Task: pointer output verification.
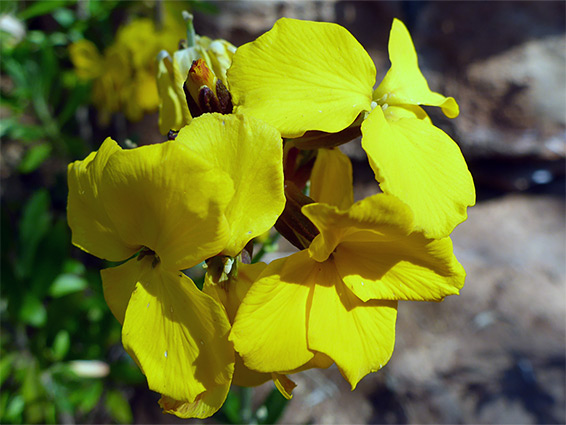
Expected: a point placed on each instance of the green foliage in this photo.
(52, 309)
(237, 408)
(118, 407)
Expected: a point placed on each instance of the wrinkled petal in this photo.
(358, 336)
(270, 331)
(301, 76)
(331, 179)
(92, 229)
(250, 153)
(422, 166)
(405, 268)
(205, 405)
(381, 214)
(404, 84)
(177, 334)
(166, 198)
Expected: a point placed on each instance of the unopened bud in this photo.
(205, 92)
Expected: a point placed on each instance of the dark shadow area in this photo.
(498, 176)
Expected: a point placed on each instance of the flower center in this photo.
(147, 252)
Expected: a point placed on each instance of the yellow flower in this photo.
(303, 76)
(331, 179)
(124, 75)
(338, 298)
(176, 204)
(173, 71)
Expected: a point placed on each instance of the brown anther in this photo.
(172, 135)
(224, 98)
(207, 100)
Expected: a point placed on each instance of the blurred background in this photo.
(73, 73)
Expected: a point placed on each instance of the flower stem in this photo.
(191, 36)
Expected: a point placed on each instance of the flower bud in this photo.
(180, 93)
(205, 92)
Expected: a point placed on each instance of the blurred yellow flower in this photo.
(124, 74)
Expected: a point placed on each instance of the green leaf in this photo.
(89, 395)
(32, 311)
(65, 17)
(24, 133)
(43, 7)
(79, 95)
(73, 266)
(207, 7)
(8, 6)
(34, 224)
(34, 157)
(118, 407)
(61, 344)
(6, 366)
(14, 410)
(230, 411)
(4, 397)
(275, 404)
(67, 283)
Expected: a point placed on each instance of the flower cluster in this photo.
(124, 74)
(253, 144)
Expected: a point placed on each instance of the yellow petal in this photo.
(250, 153)
(166, 198)
(177, 334)
(205, 405)
(404, 84)
(230, 294)
(422, 166)
(171, 99)
(221, 53)
(118, 284)
(399, 268)
(92, 229)
(301, 76)
(331, 179)
(270, 331)
(380, 213)
(358, 336)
